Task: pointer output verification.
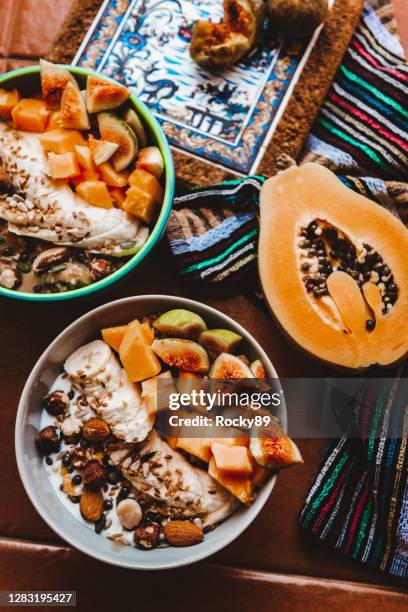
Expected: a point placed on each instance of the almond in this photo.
(95, 430)
(91, 505)
(182, 533)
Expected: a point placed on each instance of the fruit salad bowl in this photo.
(98, 177)
(59, 513)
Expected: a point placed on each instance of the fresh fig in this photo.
(103, 94)
(185, 355)
(228, 366)
(272, 448)
(132, 119)
(258, 369)
(217, 341)
(101, 150)
(151, 160)
(54, 80)
(74, 115)
(113, 129)
(181, 323)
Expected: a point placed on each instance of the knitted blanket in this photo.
(359, 501)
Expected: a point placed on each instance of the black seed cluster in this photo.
(329, 251)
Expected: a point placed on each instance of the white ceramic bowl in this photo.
(31, 467)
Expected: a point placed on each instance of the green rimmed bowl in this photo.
(27, 81)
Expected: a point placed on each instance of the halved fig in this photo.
(151, 160)
(116, 130)
(214, 45)
(257, 367)
(272, 448)
(101, 150)
(228, 366)
(54, 80)
(102, 94)
(132, 118)
(185, 355)
(74, 115)
(216, 341)
(246, 17)
(181, 323)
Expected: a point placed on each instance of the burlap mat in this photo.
(307, 97)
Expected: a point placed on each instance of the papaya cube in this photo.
(233, 459)
(95, 193)
(118, 195)
(147, 182)
(8, 100)
(240, 486)
(140, 204)
(91, 175)
(30, 115)
(54, 121)
(198, 447)
(60, 140)
(111, 177)
(150, 384)
(136, 355)
(148, 333)
(84, 157)
(63, 166)
(114, 336)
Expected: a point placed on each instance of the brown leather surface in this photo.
(200, 588)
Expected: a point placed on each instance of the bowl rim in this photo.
(191, 556)
(160, 224)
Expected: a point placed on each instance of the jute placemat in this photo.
(303, 106)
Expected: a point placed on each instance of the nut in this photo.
(56, 402)
(94, 475)
(146, 536)
(95, 430)
(10, 279)
(129, 513)
(91, 505)
(79, 458)
(49, 258)
(99, 268)
(182, 533)
(48, 440)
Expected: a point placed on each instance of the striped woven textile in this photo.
(358, 502)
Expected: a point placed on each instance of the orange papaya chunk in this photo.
(61, 141)
(147, 182)
(84, 156)
(233, 459)
(63, 166)
(111, 177)
(240, 486)
(136, 355)
(54, 121)
(148, 333)
(30, 115)
(8, 100)
(118, 195)
(198, 447)
(114, 336)
(95, 193)
(140, 204)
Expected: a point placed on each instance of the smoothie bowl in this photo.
(86, 182)
(96, 464)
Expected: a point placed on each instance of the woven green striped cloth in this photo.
(358, 503)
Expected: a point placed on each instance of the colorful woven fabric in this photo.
(359, 501)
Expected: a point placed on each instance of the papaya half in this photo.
(334, 269)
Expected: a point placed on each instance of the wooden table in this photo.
(271, 566)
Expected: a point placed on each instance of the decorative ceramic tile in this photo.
(226, 118)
